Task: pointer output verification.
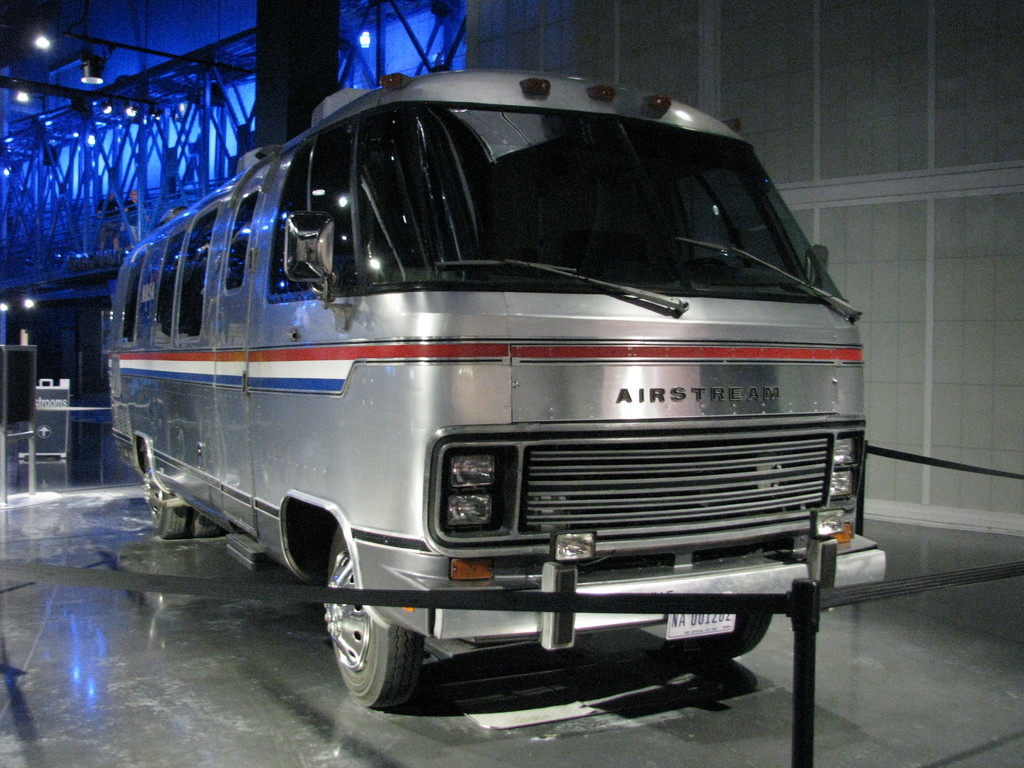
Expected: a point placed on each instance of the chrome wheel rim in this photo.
(348, 625)
(155, 497)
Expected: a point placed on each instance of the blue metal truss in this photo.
(172, 133)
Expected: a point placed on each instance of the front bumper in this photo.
(855, 567)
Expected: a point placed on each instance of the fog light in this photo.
(567, 547)
(829, 522)
(468, 509)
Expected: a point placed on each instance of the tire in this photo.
(750, 630)
(204, 528)
(379, 662)
(172, 517)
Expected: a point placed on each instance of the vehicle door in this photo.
(229, 455)
(189, 387)
(294, 381)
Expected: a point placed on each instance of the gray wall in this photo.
(895, 129)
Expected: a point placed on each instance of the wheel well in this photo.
(308, 532)
(141, 454)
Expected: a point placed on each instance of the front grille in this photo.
(679, 487)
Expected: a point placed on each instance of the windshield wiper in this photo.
(838, 305)
(656, 302)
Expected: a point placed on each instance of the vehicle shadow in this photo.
(522, 685)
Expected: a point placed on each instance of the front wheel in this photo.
(379, 662)
(750, 630)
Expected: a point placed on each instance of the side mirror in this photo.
(817, 263)
(309, 250)
(821, 253)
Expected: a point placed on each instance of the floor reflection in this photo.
(91, 461)
(106, 678)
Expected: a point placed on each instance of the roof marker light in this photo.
(394, 81)
(535, 86)
(656, 105)
(601, 92)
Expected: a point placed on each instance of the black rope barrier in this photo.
(465, 599)
(914, 458)
(860, 593)
(492, 599)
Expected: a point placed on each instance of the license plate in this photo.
(681, 625)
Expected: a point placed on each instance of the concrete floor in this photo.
(106, 678)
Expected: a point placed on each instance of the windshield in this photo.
(626, 201)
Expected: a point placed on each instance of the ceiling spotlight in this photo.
(22, 97)
(106, 107)
(92, 69)
(131, 110)
(42, 42)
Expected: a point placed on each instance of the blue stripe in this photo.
(298, 385)
(195, 378)
(284, 384)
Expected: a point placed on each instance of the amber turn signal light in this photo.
(471, 569)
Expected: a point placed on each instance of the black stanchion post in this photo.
(805, 612)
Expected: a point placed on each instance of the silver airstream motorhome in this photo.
(488, 330)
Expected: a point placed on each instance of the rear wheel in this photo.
(172, 517)
(204, 528)
(379, 662)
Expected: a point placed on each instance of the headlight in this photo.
(472, 470)
(841, 484)
(845, 458)
(473, 488)
(469, 509)
(844, 451)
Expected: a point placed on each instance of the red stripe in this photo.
(231, 356)
(383, 352)
(640, 351)
(470, 350)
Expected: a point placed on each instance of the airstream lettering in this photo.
(481, 330)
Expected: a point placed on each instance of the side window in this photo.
(413, 204)
(318, 180)
(151, 271)
(165, 291)
(329, 188)
(131, 297)
(238, 249)
(294, 197)
(390, 228)
(193, 275)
